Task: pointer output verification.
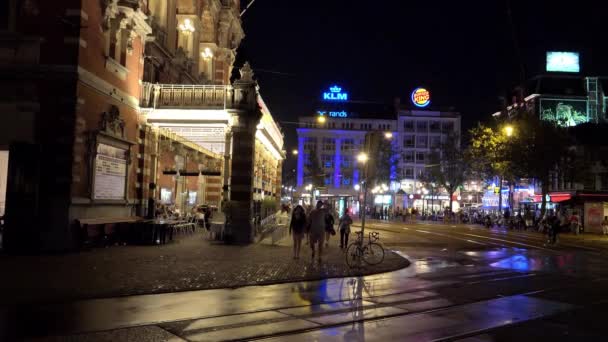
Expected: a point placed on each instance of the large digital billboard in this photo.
(564, 112)
(560, 61)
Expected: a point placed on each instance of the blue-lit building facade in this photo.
(340, 136)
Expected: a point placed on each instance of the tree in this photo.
(386, 162)
(447, 166)
(542, 148)
(489, 154)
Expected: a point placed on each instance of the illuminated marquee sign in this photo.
(421, 97)
(559, 61)
(335, 94)
(341, 114)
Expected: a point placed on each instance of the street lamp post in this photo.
(363, 158)
(508, 131)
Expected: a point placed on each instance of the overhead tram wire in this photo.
(247, 7)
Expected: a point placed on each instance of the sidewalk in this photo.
(190, 263)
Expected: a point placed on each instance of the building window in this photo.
(310, 144)
(408, 125)
(435, 126)
(328, 181)
(421, 126)
(420, 157)
(165, 196)
(420, 172)
(409, 172)
(328, 161)
(346, 181)
(307, 160)
(408, 156)
(346, 162)
(447, 127)
(435, 141)
(347, 145)
(421, 141)
(329, 144)
(408, 141)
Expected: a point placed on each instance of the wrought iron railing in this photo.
(184, 96)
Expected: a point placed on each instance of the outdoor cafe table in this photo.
(160, 228)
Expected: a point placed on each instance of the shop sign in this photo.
(332, 114)
(421, 97)
(335, 94)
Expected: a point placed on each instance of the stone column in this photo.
(337, 162)
(240, 228)
(227, 166)
(300, 169)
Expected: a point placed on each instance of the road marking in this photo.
(511, 242)
(449, 236)
(501, 279)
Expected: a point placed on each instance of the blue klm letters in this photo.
(335, 94)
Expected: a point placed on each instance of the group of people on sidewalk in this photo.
(317, 226)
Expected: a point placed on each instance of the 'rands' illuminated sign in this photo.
(421, 97)
(341, 114)
(335, 94)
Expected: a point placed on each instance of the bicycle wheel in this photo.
(353, 255)
(373, 254)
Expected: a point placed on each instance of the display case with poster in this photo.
(109, 157)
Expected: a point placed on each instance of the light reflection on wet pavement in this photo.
(444, 293)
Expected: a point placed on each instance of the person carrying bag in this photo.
(344, 226)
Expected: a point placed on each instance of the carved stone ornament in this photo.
(246, 73)
(112, 124)
(111, 9)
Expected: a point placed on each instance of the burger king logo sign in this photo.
(421, 97)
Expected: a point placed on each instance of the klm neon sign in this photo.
(335, 94)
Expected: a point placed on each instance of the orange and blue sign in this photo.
(421, 97)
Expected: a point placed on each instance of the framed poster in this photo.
(110, 173)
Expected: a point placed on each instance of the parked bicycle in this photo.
(371, 252)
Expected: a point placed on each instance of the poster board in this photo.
(110, 173)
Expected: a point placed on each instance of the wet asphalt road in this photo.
(465, 283)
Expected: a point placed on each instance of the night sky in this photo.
(462, 51)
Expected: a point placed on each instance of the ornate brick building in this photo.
(112, 102)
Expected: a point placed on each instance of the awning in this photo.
(554, 197)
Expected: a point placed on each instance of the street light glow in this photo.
(508, 130)
(362, 157)
(357, 187)
(321, 119)
(294, 152)
(388, 135)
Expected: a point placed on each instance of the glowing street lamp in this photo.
(321, 119)
(357, 187)
(508, 130)
(294, 152)
(362, 157)
(388, 135)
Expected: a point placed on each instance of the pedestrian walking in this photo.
(297, 228)
(605, 225)
(329, 223)
(316, 230)
(344, 226)
(575, 223)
